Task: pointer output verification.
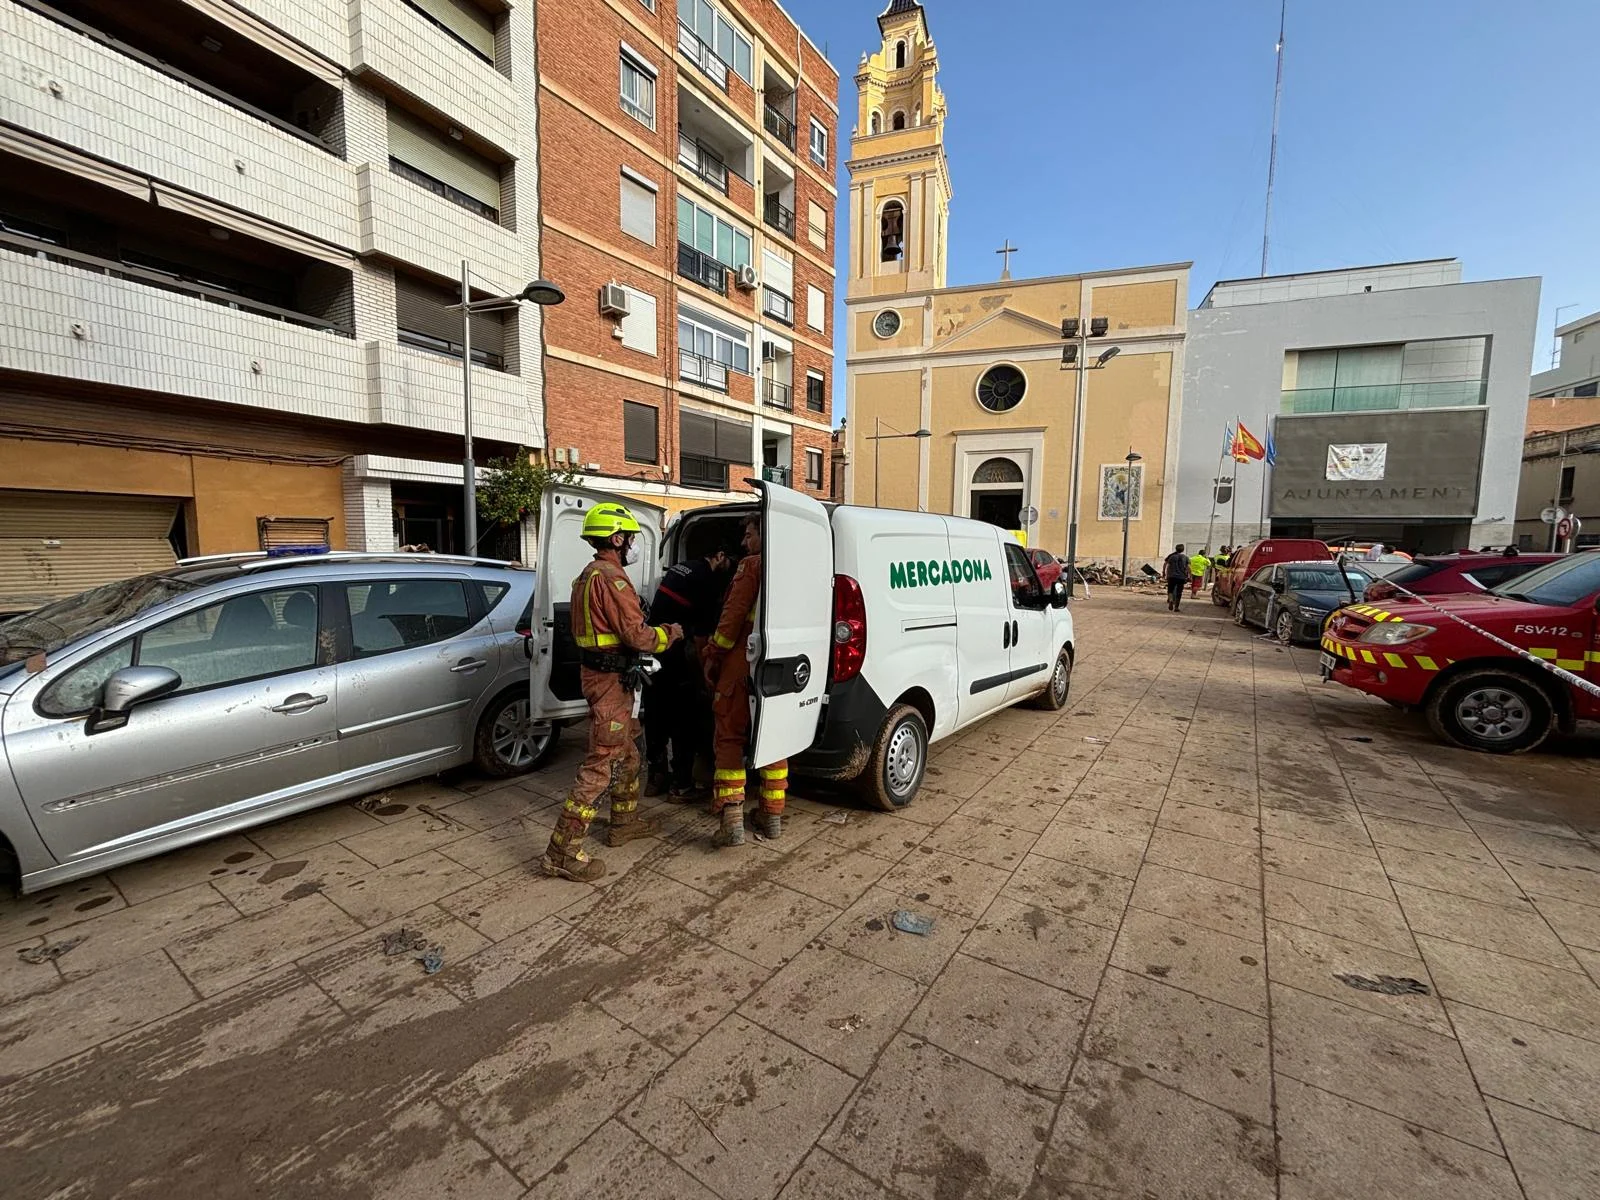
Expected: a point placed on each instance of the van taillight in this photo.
(849, 630)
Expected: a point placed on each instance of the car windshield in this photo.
(1323, 579)
(1561, 583)
(47, 629)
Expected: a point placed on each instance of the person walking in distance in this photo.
(728, 676)
(1175, 570)
(1199, 564)
(609, 626)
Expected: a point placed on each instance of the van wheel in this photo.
(509, 742)
(899, 758)
(1216, 597)
(1493, 711)
(1054, 696)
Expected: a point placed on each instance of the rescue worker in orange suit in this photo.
(609, 626)
(728, 676)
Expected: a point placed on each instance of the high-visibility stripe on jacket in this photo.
(606, 613)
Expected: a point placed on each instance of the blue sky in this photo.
(1129, 132)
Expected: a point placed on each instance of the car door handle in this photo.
(299, 703)
(1005, 629)
(1016, 633)
(468, 665)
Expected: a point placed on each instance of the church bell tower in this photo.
(899, 177)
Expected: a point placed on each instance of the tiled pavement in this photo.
(1144, 907)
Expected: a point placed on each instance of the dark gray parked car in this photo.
(1292, 600)
(224, 693)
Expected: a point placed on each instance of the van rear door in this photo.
(794, 623)
(562, 555)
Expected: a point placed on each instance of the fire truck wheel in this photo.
(1494, 711)
(1216, 597)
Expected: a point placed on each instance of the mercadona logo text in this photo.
(933, 572)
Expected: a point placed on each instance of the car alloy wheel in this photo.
(1284, 628)
(516, 740)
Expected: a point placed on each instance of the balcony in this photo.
(706, 372)
(781, 475)
(698, 471)
(775, 394)
(703, 161)
(703, 269)
(777, 306)
(778, 124)
(702, 56)
(779, 217)
(1379, 397)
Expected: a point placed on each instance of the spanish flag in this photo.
(1246, 446)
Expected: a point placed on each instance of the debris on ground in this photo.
(910, 922)
(1388, 985)
(433, 960)
(51, 952)
(837, 817)
(403, 941)
(875, 924)
(1358, 739)
(847, 1024)
(1098, 741)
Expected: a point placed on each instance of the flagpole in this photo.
(1227, 443)
(1266, 477)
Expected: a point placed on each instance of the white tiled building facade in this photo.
(281, 342)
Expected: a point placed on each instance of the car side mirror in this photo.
(1058, 595)
(125, 690)
(1279, 586)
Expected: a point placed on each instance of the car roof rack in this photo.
(258, 560)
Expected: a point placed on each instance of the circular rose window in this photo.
(1001, 388)
(886, 324)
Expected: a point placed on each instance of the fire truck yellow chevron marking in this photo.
(1394, 660)
(1367, 654)
(1426, 663)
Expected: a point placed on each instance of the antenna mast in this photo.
(1272, 162)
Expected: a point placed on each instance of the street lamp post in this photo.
(541, 292)
(1127, 509)
(877, 436)
(1075, 357)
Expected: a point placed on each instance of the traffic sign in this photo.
(1029, 515)
(1552, 515)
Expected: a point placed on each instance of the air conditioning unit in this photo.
(572, 456)
(613, 300)
(747, 279)
(560, 456)
(769, 351)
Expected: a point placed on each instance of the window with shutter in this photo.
(640, 432)
(639, 326)
(426, 156)
(814, 468)
(638, 89)
(777, 272)
(816, 391)
(424, 319)
(464, 21)
(638, 210)
(816, 305)
(817, 224)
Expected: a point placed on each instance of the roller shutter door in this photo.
(419, 145)
(54, 545)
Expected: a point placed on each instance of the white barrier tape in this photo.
(1577, 681)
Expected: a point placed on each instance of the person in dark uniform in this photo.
(1175, 570)
(677, 715)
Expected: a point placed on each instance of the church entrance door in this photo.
(1002, 508)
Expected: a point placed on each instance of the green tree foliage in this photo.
(513, 487)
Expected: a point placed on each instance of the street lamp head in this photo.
(923, 433)
(1134, 456)
(1107, 355)
(542, 291)
(1098, 326)
(1069, 357)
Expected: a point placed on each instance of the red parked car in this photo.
(1046, 566)
(1451, 574)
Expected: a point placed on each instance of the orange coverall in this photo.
(728, 675)
(607, 617)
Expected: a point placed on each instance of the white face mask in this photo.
(630, 553)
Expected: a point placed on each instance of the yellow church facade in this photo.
(980, 368)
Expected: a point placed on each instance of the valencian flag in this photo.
(1246, 446)
(1227, 440)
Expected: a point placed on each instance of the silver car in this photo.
(224, 693)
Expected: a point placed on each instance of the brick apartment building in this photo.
(687, 199)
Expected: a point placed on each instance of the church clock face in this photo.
(886, 324)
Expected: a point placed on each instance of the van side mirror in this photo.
(125, 690)
(1059, 597)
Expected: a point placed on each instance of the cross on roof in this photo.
(1007, 251)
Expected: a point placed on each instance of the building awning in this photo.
(54, 545)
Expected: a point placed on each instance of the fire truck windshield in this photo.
(1561, 584)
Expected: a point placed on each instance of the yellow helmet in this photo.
(604, 520)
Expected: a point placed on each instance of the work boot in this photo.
(630, 826)
(771, 825)
(567, 866)
(731, 832)
(656, 783)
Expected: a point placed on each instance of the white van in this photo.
(879, 631)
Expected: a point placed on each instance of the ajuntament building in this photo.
(980, 367)
(1395, 396)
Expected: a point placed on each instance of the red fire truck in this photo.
(1497, 671)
